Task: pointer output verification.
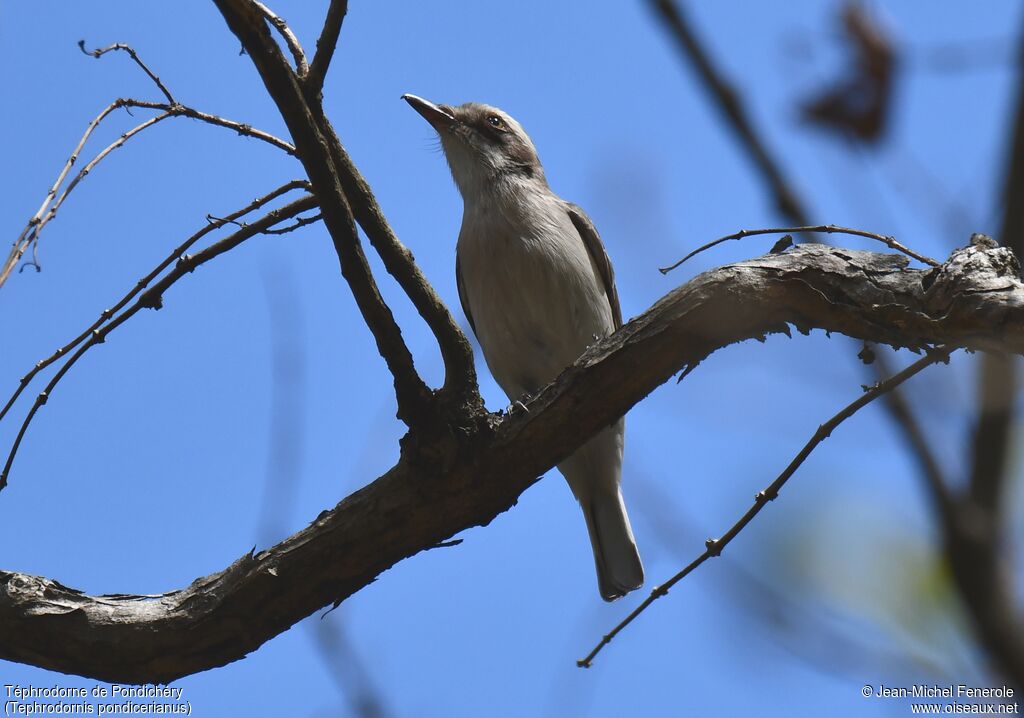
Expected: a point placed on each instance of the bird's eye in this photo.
(495, 122)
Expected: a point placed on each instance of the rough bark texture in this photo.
(476, 468)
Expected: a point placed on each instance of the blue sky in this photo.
(149, 465)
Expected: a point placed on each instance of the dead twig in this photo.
(300, 222)
(294, 47)
(325, 46)
(29, 236)
(100, 52)
(213, 223)
(714, 547)
(152, 298)
(821, 228)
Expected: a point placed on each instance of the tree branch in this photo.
(325, 46)
(314, 151)
(52, 202)
(789, 204)
(460, 383)
(294, 47)
(974, 300)
(107, 314)
(151, 298)
(714, 547)
(100, 52)
(975, 540)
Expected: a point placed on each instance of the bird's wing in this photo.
(462, 293)
(595, 248)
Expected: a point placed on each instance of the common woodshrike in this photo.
(538, 289)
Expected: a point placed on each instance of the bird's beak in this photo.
(437, 116)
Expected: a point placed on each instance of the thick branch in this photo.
(974, 300)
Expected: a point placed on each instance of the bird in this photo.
(537, 287)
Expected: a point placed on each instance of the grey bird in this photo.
(538, 289)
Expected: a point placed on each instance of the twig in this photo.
(716, 546)
(770, 168)
(301, 68)
(824, 228)
(317, 150)
(300, 222)
(213, 224)
(51, 203)
(30, 234)
(100, 52)
(152, 299)
(325, 46)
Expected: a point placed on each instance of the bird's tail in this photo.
(616, 558)
(593, 474)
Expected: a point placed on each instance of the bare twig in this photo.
(144, 282)
(317, 148)
(456, 352)
(325, 46)
(301, 68)
(786, 198)
(51, 203)
(716, 546)
(30, 235)
(100, 52)
(172, 108)
(152, 299)
(823, 228)
(300, 222)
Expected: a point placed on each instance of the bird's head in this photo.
(482, 144)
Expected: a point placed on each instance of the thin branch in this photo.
(144, 282)
(51, 203)
(325, 46)
(240, 127)
(29, 236)
(786, 198)
(460, 382)
(152, 298)
(100, 52)
(887, 240)
(716, 546)
(316, 152)
(301, 68)
(21, 243)
(300, 222)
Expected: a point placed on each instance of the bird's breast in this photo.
(531, 289)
